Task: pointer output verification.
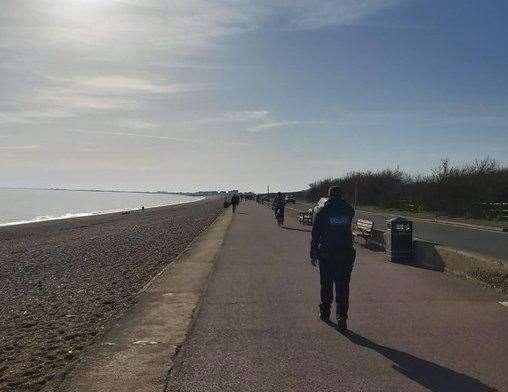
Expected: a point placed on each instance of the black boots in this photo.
(324, 313)
(341, 324)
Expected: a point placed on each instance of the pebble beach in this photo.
(62, 283)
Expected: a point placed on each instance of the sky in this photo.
(185, 95)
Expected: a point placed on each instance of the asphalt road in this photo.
(410, 329)
(483, 241)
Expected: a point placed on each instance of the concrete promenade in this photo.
(410, 329)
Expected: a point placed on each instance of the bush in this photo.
(468, 191)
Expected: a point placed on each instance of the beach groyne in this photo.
(63, 283)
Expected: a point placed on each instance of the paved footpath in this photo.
(410, 329)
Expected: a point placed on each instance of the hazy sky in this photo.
(210, 94)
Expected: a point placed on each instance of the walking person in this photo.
(235, 200)
(278, 205)
(332, 247)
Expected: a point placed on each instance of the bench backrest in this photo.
(364, 225)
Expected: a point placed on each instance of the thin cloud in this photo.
(240, 116)
(120, 85)
(312, 15)
(136, 124)
(246, 115)
(32, 117)
(156, 137)
(131, 134)
(250, 120)
(272, 125)
(85, 95)
(71, 97)
(21, 148)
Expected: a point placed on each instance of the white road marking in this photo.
(504, 303)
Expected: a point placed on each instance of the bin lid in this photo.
(398, 220)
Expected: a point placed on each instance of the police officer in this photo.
(332, 246)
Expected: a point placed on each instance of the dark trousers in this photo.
(234, 207)
(335, 273)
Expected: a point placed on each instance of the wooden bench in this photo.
(306, 217)
(364, 229)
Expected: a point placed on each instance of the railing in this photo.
(495, 211)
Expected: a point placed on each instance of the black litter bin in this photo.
(399, 239)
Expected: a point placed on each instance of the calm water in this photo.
(27, 205)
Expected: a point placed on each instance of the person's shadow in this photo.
(430, 375)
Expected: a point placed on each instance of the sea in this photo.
(18, 206)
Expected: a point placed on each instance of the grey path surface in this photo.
(482, 241)
(411, 329)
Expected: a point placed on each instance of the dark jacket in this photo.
(331, 231)
(279, 203)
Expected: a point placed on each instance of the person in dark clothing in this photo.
(332, 247)
(235, 200)
(278, 205)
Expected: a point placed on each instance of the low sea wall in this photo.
(493, 272)
(488, 270)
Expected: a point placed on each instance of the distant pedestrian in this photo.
(332, 247)
(235, 200)
(278, 206)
